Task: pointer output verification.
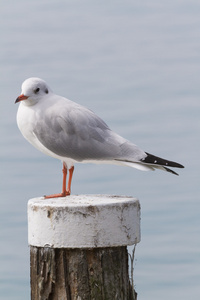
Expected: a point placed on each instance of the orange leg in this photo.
(64, 170)
(68, 191)
(65, 192)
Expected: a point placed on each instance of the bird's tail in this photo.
(152, 162)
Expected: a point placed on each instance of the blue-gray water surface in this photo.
(137, 65)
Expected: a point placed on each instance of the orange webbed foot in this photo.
(64, 194)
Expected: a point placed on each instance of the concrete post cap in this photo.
(84, 221)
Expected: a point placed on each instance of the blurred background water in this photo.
(137, 65)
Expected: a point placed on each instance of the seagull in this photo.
(65, 130)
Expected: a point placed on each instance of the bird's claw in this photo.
(63, 194)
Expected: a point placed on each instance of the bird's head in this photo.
(33, 89)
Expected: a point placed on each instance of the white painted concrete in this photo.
(84, 221)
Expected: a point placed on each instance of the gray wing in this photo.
(72, 131)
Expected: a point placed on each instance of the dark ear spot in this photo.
(46, 91)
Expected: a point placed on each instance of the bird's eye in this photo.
(36, 90)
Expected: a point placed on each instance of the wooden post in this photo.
(78, 247)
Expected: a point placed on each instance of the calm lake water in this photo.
(137, 65)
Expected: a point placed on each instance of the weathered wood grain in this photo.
(80, 274)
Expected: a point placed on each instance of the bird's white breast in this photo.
(25, 122)
(26, 119)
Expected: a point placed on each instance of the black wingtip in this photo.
(152, 159)
(171, 171)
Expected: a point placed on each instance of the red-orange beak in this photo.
(21, 97)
